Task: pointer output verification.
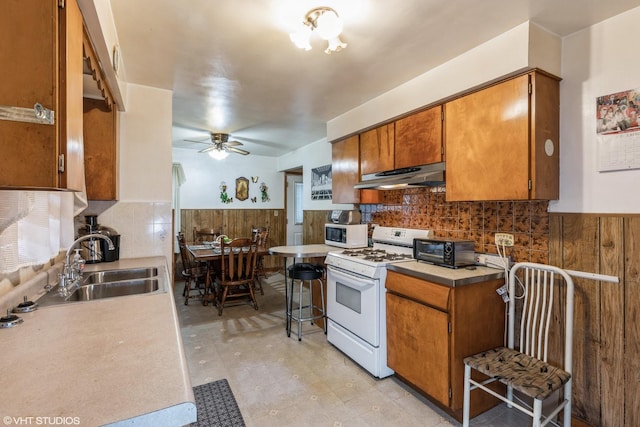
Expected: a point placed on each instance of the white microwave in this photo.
(346, 235)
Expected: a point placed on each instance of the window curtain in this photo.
(34, 227)
(178, 178)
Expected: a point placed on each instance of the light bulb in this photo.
(335, 45)
(218, 154)
(329, 25)
(301, 38)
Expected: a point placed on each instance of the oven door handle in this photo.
(352, 280)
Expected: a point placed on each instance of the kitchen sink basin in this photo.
(108, 284)
(114, 289)
(119, 275)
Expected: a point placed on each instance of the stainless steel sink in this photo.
(119, 275)
(111, 283)
(114, 289)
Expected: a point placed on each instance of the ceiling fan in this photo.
(220, 146)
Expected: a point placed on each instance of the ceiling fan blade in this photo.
(206, 150)
(198, 142)
(233, 143)
(237, 150)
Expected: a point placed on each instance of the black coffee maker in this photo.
(97, 250)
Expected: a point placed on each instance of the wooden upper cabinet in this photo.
(100, 150)
(345, 173)
(418, 138)
(502, 141)
(377, 149)
(42, 64)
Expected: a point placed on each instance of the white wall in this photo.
(142, 215)
(595, 62)
(309, 157)
(205, 174)
(526, 45)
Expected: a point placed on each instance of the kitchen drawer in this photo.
(428, 293)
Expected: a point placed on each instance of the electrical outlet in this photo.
(504, 239)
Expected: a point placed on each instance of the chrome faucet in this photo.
(72, 271)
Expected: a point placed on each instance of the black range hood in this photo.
(431, 175)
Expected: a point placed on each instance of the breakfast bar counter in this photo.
(114, 361)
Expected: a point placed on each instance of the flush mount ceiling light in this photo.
(218, 154)
(327, 24)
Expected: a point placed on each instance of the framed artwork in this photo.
(242, 188)
(321, 183)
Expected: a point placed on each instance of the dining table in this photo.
(295, 252)
(210, 253)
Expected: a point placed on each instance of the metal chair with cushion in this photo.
(195, 277)
(237, 272)
(526, 369)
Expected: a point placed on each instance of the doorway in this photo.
(294, 206)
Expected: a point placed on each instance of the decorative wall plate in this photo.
(242, 188)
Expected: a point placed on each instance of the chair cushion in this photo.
(306, 271)
(524, 373)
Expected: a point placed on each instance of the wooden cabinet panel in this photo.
(418, 345)
(438, 326)
(70, 93)
(496, 141)
(345, 171)
(345, 159)
(377, 149)
(100, 150)
(488, 143)
(418, 138)
(422, 291)
(42, 64)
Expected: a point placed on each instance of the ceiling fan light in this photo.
(218, 154)
(335, 45)
(301, 38)
(329, 25)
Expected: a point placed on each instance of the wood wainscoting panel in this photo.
(606, 385)
(631, 360)
(313, 227)
(580, 252)
(237, 223)
(612, 374)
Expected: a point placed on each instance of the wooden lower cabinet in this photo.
(431, 328)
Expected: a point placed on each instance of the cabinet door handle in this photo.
(37, 114)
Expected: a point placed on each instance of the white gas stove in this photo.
(390, 244)
(356, 307)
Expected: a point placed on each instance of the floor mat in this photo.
(217, 406)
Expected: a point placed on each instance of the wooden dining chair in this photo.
(195, 277)
(260, 236)
(236, 277)
(205, 234)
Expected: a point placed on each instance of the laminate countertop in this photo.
(446, 276)
(115, 361)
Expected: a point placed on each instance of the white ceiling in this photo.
(233, 69)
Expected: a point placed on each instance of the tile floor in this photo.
(279, 381)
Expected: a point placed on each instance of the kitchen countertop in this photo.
(113, 361)
(446, 276)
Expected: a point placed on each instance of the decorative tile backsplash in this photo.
(425, 207)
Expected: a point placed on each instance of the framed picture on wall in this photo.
(242, 188)
(321, 183)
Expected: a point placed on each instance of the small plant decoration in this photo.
(263, 192)
(224, 197)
